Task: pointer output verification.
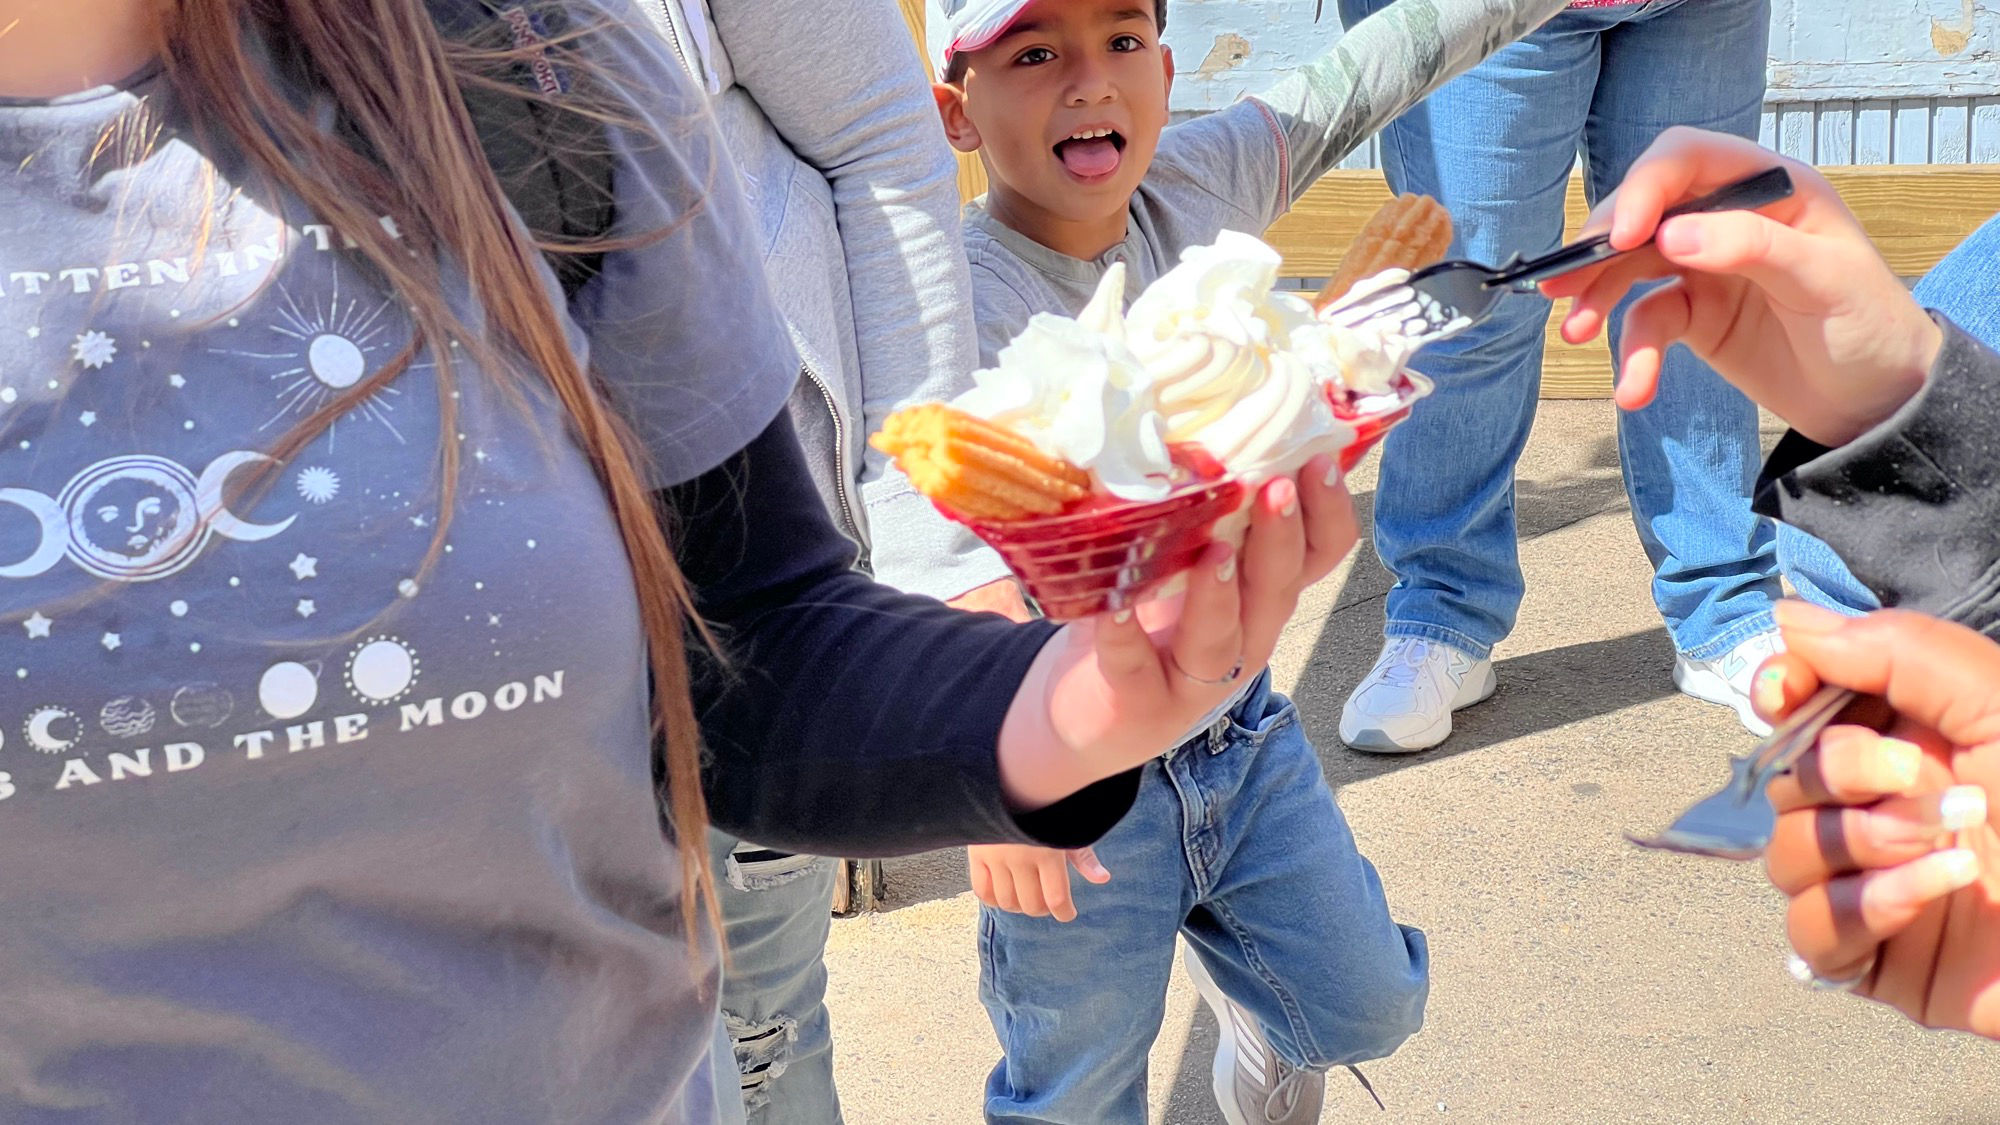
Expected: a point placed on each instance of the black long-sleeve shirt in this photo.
(849, 718)
(1912, 506)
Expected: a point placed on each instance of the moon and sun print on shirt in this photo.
(177, 589)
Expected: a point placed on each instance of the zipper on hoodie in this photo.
(663, 15)
(842, 474)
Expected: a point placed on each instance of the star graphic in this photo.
(38, 626)
(34, 331)
(305, 566)
(112, 641)
(7, 394)
(479, 455)
(306, 607)
(88, 418)
(419, 521)
(493, 619)
(176, 381)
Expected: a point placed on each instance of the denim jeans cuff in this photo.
(1477, 650)
(1739, 631)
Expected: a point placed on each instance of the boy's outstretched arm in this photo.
(1384, 65)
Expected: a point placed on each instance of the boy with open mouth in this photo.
(1235, 841)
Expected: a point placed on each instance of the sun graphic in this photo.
(319, 484)
(94, 349)
(381, 670)
(328, 346)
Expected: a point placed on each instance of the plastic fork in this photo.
(1736, 821)
(1443, 299)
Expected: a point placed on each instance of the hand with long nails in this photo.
(1885, 841)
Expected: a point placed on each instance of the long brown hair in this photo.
(414, 155)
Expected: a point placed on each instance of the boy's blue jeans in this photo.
(1496, 146)
(1235, 842)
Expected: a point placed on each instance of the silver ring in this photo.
(1234, 675)
(1803, 973)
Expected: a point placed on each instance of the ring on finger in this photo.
(1804, 974)
(1234, 674)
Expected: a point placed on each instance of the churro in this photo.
(977, 469)
(1408, 232)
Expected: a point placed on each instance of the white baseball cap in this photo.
(968, 25)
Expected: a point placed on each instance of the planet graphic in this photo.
(127, 717)
(288, 690)
(202, 705)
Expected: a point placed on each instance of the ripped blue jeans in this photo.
(777, 909)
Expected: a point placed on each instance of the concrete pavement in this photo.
(1576, 978)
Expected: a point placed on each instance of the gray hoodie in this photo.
(827, 112)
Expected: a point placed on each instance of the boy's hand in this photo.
(1002, 596)
(1792, 304)
(1029, 880)
(1886, 843)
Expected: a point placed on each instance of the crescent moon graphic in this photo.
(55, 532)
(41, 738)
(208, 498)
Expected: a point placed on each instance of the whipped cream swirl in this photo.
(1074, 389)
(1217, 341)
(1210, 354)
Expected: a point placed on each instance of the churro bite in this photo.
(1408, 232)
(977, 468)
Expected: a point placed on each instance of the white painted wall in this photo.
(1852, 81)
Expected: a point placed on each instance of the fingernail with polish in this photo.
(1227, 571)
(1334, 476)
(1959, 866)
(1291, 495)
(1961, 807)
(1769, 690)
(1122, 616)
(1899, 763)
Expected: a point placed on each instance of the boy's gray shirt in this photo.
(1241, 168)
(827, 112)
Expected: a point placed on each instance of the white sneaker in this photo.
(1405, 702)
(1727, 678)
(1253, 1084)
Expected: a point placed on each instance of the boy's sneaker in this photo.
(1253, 1084)
(1727, 678)
(1405, 702)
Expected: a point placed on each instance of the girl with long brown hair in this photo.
(350, 566)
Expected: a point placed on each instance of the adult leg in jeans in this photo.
(777, 910)
(1690, 459)
(1965, 286)
(1495, 146)
(1692, 456)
